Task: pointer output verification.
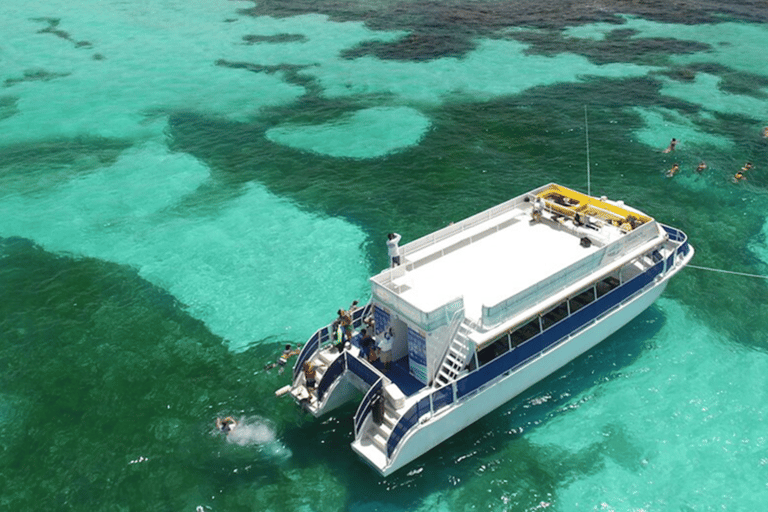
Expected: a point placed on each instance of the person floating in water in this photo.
(674, 170)
(226, 425)
(671, 146)
(393, 249)
(741, 175)
(765, 132)
(288, 352)
(702, 166)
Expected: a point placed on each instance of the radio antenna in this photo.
(586, 130)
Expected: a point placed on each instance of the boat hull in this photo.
(449, 421)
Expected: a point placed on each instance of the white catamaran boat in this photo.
(479, 311)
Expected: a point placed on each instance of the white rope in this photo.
(728, 272)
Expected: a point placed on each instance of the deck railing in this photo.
(322, 335)
(363, 370)
(468, 223)
(335, 369)
(366, 405)
(509, 307)
(678, 236)
(309, 349)
(341, 364)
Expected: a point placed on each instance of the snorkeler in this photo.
(226, 425)
(702, 166)
(283, 359)
(738, 177)
(674, 170)
(671, 146)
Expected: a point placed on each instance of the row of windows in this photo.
(535, 325)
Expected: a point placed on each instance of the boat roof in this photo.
(501, 252)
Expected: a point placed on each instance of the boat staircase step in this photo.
(325, 357)
(456, 357)
(320, 361)
(379, 432)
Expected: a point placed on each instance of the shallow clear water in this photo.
(184, 188)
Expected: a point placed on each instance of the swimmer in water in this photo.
(674, 170)
(226, 425)
(283, 359)
(671, 146)
(738, 177)
(702, 166)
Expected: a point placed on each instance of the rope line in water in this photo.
(728, 272)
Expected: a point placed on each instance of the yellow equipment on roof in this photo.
(569, 203)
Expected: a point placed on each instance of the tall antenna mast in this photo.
(586, 129)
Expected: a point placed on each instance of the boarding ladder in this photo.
(456, 357)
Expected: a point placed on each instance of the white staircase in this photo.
(371, 443)
(456, 357)
(379, 433)
(321, 361)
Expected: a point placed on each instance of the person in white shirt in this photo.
(392, 248)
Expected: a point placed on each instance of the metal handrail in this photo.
(335, 369)
(308, 350)
(319, 337)
(364, 409)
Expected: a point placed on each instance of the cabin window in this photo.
(554, 315)
(582, 299)
(494, 350)
(525, 332)
(606, 285)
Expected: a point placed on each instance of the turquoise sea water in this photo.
(187, 186)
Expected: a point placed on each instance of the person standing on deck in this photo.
(393, 249)
(367, 346)
(309, 376)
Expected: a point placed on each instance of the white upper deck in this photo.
(493, 268)
(503, 253)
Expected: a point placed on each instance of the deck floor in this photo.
(399, 373)
(494, 268)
